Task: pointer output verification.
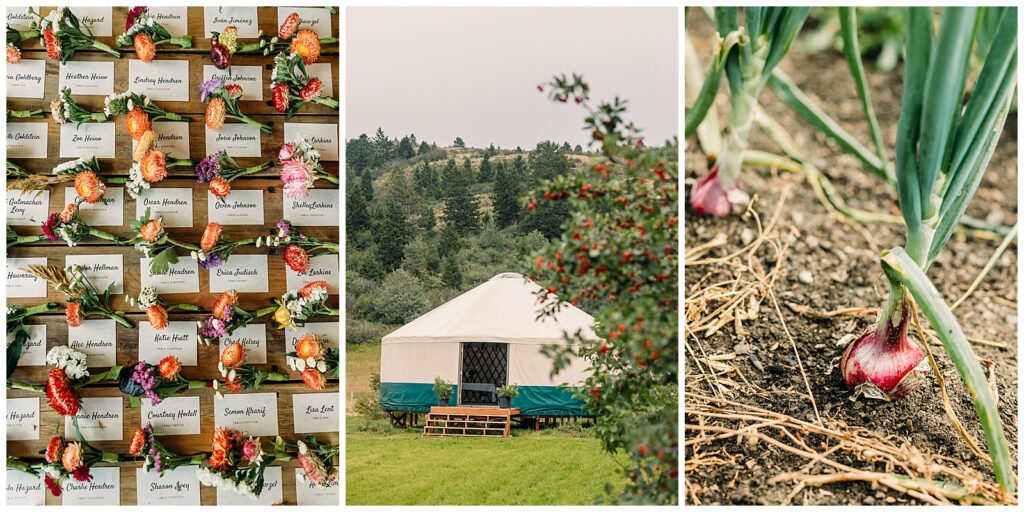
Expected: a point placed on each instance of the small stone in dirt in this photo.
(747, 236)
(995, 218)
(754, 360)
(1011, 319)
(880, 495)
(890, 499)
(805, 277)
(840, 276)
(813, 242)
(798, 218)
(777, 369)
(869, 500)
(742, 349)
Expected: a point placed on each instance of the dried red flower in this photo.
(61, 394)
(296, 258)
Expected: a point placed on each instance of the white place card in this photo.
(21, 284)
(318, 208)
(18, 17)
(174, 20)
(97, 19)
(316, 412)
(254, 338)
(171, 138)
(87, 140)
(236, 139)
(27, 207)
(103, 491)
(272, 493)
(329, 333)
(249, 77)
(240, 208)
(101, 269)
(87, 77)
(309, 493)
(160, 80)
(245, 273)
(97, 339)
(24, 489)
(23, 419)
(243, 18)
(175, 487)
(99, 419)
(323, 72)
(323, 267)
(252, 413)
(323, 136)
(27, 140)
(176, 415)
(181, 277)
(177, 339)
(27, 79)
(174, 205)
(108, 211)
(33, 353)
(316, 18)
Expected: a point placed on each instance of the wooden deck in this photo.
(468, 421)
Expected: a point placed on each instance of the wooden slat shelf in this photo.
(469, 421)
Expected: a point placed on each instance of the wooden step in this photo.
(469, 422)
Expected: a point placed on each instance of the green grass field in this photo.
(361, 361)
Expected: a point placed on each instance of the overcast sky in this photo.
(472, 72)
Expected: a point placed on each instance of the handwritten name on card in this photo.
(103, 490)
(97, 19)
(171, 138)
(323, 136)
(173, 19)
(26, 79)
(311, 493)
(254, 338)
(160, 80)
(18, 17)
(252, 413)
(323, 72)
(102, 269)
(21, 284)
(272, 493)
(27, 140)
(87, 140)
(181, 277)
(249, 77)
(245, 273)
(23, 419)
(318, 208)
(177, 339)
(176, 415)
(108, 211)
(316, 18)
(241, 207)
(33, 353)
(99, 419)
(97, 339)
(236, 139)
(316, 412)
(174, 205)
(27, 207)
(175, 487)
(244, 18)
(329, 331)
(321, 268)
(24, 489)
(87, 77)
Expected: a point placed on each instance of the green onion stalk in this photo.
(747, 54)
(943, 147)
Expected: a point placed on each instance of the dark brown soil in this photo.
(845, 271)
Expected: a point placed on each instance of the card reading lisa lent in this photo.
(244, 273)
(24, 489)
(249, 77)
(27, 140)
(160, 80)
(103, 490)
(252, 413)
(181, 277)
(236, 139)
(316, 412)
(177, 339)
(254, 338)
(99, 419)
(86, 140)
(174, 205)
(107, 212)
(23, 419)
(310, 493)
(175, 487)
(101, 269)
(97, 339)
(87, 77)
(27, 207)
(20, 283)
(240, 208)
(171, 138)
(318, 208)
(273, 491)
(323, 136)
(34, 351)
(321, 268)
(27, 79)
(176, 415)
(243, 18)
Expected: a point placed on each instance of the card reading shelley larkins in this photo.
(316, 412)
(33, 353)
(102, 269)
(249, 77)
(21, 284)
(175, 487)
(310, 493)
(316, 18)
(173, 19)
(26, 79)
(160, 80)
(240, 208)
(103, 490)
(27, 140)
(27, 207)
(324, 137)
(87, 77)
(174, 205)
(244, 273)
(99, 419)
(253, 337)
(23, 419)
(171, 138)
(323, 267)
(318, 208)
(24, 489)
(177, 339)
(252, 413)
(97, 339)
(271, 494)
(87, 140)
(175, 416)
(181, 277)
(97, 19)
(236, 139)
(107, 212)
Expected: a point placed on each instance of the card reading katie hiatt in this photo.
(173, 487)
(316, 412)
(160, 80)
(27, 207)
(254, 338)
(108, 211)
(243, 18)
(173, 19)
(244, 273)
(97, 339)
(101, 269)
(323, 267)
(181, 277)
(33, 353)
(316, 18)
(323, 136)
(103, 490)
(173, 205)
(311, 493)
(27, 140)
(87, 77)
(99, 419)
(20, 283)
(24, 489)
(176, 415)
(23, 419)
(240, 208)
(178, 339)
(171, 138)
(252, 413)
(27, 79)
(249, 77)
(318, 208)
(87, 140)
(236, 139)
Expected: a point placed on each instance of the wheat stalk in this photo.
(56, 277)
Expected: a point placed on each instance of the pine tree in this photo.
(461, 207)
(448, 241)
(357, 153)
(467, 171)
(383, 149)
(507, 209)
(459, 143)
(391, 233)
(405, 149)
(451, 273)
(357, 218)
(486, 173)
(367, 185)
(547, 162)
(424, 149)
(566, 147)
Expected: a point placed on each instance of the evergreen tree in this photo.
(405, 149)
(548, 162)
(448, 241)
(507, 209)
(486, 174)
(519, 149)
(358, 153)
(451, 273)
(461, 207)
(424, 149)
(357, 218)
(459, 143)
(392, 233)
(566, 147)
(467, 172)
(578, 149)
(367, 185)
(412, 140)
(383, 149)
(450, 173)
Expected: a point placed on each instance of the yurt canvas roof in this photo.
(502, 310)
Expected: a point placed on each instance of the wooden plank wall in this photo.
(127, 339)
